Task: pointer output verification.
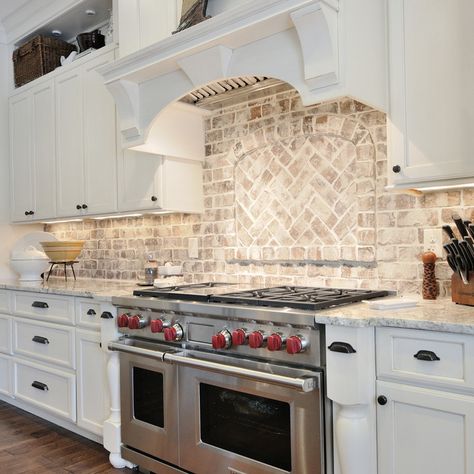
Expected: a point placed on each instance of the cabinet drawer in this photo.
(5, 301)
(46, 388)
(425, 357)
(88, 313)
(42, 341)
(59, 309)
(5, 334)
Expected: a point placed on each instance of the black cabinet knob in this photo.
(27, 213)
(84, 206)
(396, 169)
(154, 198)
(78, 207)
(32, 213)
(106, 315)
(91, 312)
(382, 400)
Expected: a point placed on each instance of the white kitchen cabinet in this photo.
(32, 152)
(424, 431)
(144, 22)
(85, 135)
(431, 114)
(5, 375)
(154, 182)
(5, 334)
(92, 391)
(69, 143)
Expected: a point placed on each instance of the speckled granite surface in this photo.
(102, 290)
(439, 315)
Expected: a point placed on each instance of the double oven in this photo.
(186, 407)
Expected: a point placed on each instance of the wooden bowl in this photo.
(63, 250)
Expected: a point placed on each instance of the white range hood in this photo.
(323, 48)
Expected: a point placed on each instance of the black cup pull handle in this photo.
(40, 340)
(428, 356)
(40, 386)
(106, 315)
(40, 304)
(342, 347)
(91, 312)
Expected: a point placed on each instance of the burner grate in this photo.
(298, 297)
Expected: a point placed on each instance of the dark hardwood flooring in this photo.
(30, 445)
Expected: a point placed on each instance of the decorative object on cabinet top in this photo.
(193, 12)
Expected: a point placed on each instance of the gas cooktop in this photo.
(297, 297)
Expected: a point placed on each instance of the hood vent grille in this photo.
(233, 90)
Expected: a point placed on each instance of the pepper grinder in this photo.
(430, 286)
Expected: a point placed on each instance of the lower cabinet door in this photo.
(47, 388)
(92, 392)
(424, 431)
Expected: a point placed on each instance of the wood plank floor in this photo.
(30, 445)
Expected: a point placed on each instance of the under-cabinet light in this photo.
(115, 216)
(62, 221)
(446, 187)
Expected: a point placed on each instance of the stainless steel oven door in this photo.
(238, 416)
(148, 400)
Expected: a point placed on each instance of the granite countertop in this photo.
(102, 290)
(438, 315)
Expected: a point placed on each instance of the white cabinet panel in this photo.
(5, 301)
(92, 392)
(69, 143)
(139, 181)
(50, 343)
(88, 313)
(99, 139)
(6, 374)
(424, 431)
(54, 308)
(44, 172)
(431, 95)
(400, 354)
(50, 389)
(5, 334)
(21, 156)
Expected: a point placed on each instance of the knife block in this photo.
(461, 293)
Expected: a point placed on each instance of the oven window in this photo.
(148, 396)
(255, 427)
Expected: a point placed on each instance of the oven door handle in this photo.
(302, 384)
(140, 351)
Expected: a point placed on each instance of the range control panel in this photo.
(253, 338)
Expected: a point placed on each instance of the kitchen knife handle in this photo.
(449, 232)
(460, 225)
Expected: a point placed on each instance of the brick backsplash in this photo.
(293, 195)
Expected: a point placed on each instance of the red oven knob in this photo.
(222, 340)
(158, 325)
(174, 333)
(275, 342)
(256, 339)
(239, 337)
(136, 322)
(295, 344)
(122, 321)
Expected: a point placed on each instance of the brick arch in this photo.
(311, 194)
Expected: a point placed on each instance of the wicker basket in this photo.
(38, 57)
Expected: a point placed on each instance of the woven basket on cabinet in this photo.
(38, 57)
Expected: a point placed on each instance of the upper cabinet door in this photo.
(139, 180)
(69, 143)
(44, 174)
(99, 139)
(21, 157)
(431, 118)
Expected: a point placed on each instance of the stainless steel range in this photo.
(223, 379)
